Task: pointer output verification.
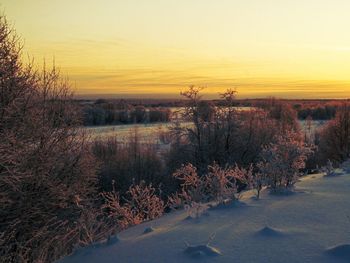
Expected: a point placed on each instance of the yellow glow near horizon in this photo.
(284, 48)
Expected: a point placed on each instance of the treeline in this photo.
(327, 112)
(103, 112)
(314, 109)
(111, 112)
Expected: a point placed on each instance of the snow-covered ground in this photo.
(310, 225)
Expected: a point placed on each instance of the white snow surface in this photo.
(310, 225)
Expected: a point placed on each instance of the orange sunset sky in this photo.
(155, 48)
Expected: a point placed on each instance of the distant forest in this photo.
(132, 111)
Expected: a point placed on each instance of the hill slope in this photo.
(310, 225)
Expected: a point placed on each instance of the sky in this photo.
(156, 48)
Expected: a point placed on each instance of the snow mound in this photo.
(202, 251)
(340, 251)
(270, 232)
(148, 230)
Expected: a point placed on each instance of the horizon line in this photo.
(209, 96)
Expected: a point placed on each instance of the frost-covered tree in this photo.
(47, 174)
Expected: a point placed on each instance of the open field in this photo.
(150, 132)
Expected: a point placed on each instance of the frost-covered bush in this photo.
(120, 216)
(144, 203)
(47, 173)
(141, 204)
(219, 184)
(192, 186)
(178, 200)
(282, 161)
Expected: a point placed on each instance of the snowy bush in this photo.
(141, 204)
(120, 215)
(192, 186)
(144, 203)
(219, 184)
(282, 161)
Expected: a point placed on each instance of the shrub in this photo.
(120, 216)
(283, 160)
(139, 205)
(217, 185)
(144, 203)
(222, 184)
(192, 187)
